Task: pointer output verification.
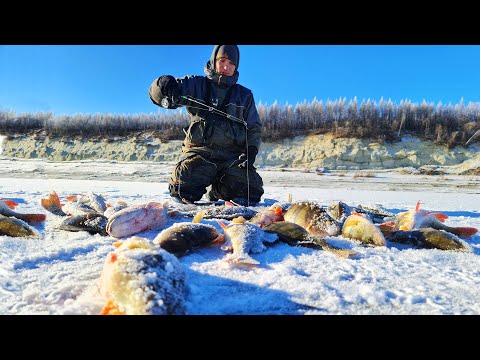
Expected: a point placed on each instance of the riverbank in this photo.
(307, 153)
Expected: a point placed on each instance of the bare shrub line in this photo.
(384, 121)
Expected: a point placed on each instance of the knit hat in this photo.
(230, 52)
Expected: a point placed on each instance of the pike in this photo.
(140, 278)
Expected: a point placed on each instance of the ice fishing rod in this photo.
(165, 102)
(215, 110)
(473, 137)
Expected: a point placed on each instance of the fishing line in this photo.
(166, 104)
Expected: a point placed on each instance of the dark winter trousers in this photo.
(194, 173)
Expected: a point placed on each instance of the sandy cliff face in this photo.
(302, 152)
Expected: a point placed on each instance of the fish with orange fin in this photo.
(243, 238)
(268, 216)
(359, 227)
(10, 203)
(140, 278)
(416, 218)
(92, 200)
(313, 218)
(88, 220)
(71, 207)
(52, 204)
(29, 218)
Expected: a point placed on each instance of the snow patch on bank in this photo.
(1, 142)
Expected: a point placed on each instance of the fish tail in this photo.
(10, 203)
(341, 253)
(417, 208)
(441, 217)
(198, 217)
(52, 204)
(72, 198)
(464, 231)
(242, 260)
(387, 227)
(220, 239)
(110, 309)
(34, 218)
(337, 251)
(222, 225)
(51, 201)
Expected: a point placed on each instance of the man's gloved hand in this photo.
(169, 87)
(252, 154)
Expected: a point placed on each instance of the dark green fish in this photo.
(93, 223)
(429, 238)
(182, 237)
(294, 235)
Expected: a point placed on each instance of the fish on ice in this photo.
(140, 278)
(243, 238)
(296, 235)
(313, 218)
(137, 218)
(359, 227)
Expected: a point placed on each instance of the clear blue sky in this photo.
(88, 79)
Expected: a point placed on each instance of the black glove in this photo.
(252, 154)
(169, 87)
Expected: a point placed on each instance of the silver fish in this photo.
(137, 218)
(243, 238)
